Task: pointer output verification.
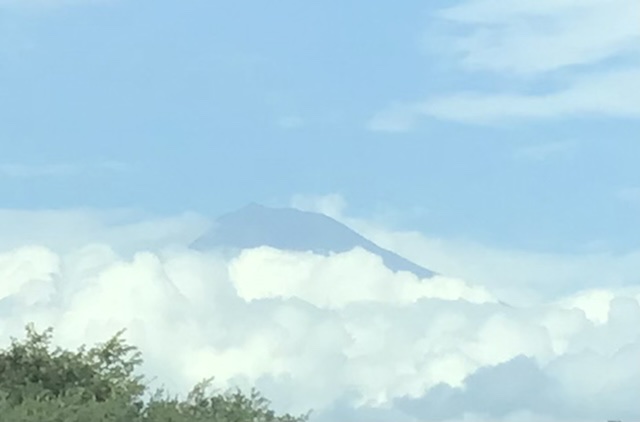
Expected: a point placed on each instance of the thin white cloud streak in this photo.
(596, 44)
(290, 122)
(27, 171)
(606, 94)
(629, 194)
(292, 325)
(45, 4)
(20, 171)
(532, 37)
(127, 230)
(545, 151)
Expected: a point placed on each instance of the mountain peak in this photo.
(256, 225)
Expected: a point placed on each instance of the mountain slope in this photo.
(291, 229)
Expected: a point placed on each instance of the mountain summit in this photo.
(291, 229)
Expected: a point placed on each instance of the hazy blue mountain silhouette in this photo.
(291, 229)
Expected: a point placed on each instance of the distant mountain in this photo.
(291, 229)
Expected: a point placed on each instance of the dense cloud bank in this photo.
(340, 334)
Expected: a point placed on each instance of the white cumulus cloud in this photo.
(340, 334)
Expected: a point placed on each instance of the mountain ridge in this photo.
(256, 225)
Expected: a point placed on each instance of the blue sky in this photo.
(494, 142)
(514, 125)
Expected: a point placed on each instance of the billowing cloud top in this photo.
(338, 333)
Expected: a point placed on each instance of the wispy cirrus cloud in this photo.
(545, 150)
(533, 37)
(606, 94)
(290, 122)
(22, 171)
(629, 194)
(36, 171)
(42, 4)
(594, 43)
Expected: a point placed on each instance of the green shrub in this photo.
(38, 384)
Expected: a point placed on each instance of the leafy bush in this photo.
(100, 385)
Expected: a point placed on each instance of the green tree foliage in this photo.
(38, 384)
